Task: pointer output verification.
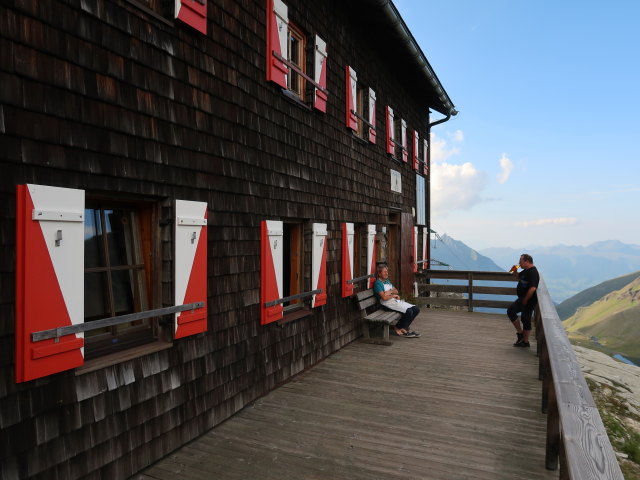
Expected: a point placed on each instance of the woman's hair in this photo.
(381, 267)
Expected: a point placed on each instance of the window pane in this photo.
(122, 292)
(96, 303)
(93, 248)
(118, 225)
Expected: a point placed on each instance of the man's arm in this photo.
(529, 294)
(389, 294)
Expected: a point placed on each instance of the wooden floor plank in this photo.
(458, 403)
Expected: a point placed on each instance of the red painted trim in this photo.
(39, 302)
(194, 14)
(351, 119)
(321, 97)
(268, 282)
(321, 298)
(372, 131)
(276, 70)
(372, 270)
(347, 274)
(194, 322)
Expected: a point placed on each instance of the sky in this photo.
(544, 149)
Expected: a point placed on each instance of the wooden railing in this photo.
(426, 288)
(575, 432)
(576, 440)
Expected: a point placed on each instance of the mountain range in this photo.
(569, 269)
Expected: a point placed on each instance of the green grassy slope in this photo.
(614, 320)
(590, 295)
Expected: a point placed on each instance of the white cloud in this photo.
(439, 149)
(453, 187)
(458, 136)
(506, 166)
(548, 221)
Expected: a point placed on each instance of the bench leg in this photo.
(385, 331)
(365, 329)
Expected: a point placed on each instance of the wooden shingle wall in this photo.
(100, 95)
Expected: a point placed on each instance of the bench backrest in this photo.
(366, 299)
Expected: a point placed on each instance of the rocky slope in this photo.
(616, 389)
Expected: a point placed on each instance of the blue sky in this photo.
(545, 148)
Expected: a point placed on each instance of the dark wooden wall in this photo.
(100, 95)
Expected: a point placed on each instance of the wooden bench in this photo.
(374, 315)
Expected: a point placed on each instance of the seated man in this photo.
(389, 298)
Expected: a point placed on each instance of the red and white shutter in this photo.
(391, 131)
(190, 281)
(405, 144)
(425, 252)
(414, 153)
(352, 98)
(347, 259)
(193, 13)
(320, 75)
(277, 31)
(319, 264)
(271, 268)
(371, 252)
(372, 116)
(415, 249)
(49, 278)
(425, 156)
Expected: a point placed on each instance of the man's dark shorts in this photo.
(527, 312)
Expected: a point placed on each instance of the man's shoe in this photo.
(519, 340)
(522, 344)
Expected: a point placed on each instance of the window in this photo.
(421, 197)
(82, 260)
(287, 58)
(118, 274)
(296, 47)
(292, 264)
(362, 104)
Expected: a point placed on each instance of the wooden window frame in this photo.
(293, 265)
(142, 249)
(296, 83)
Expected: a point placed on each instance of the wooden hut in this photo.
(173, 172)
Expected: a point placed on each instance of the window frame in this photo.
(136, 335)
(299, 90)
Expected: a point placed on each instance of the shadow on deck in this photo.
(458, 403)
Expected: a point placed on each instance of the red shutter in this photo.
(277, 30)
(352, 98)
(347, 259)
(425, 156)
(193, 13)
(414, 153)
(49, 278)
(372, 116)
(405, 144)
(371, 252)
(271, 268)
(415, 249)
(319, 266)
(391, 145)
(190, 281)
(320, 74)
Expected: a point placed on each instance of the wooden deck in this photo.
(458, 403)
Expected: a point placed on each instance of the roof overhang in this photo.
(392, 35)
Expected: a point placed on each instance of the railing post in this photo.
(470, 277)
(553, 426)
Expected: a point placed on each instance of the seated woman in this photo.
(390, 299)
